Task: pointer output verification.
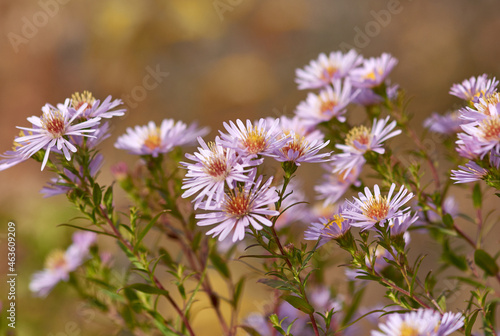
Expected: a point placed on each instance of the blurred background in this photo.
(225, 59)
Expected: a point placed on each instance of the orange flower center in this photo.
(298, 144)
(376, 208)
(327, 106)
(56, 260)
(153, 140)
(329, 72)
(216, 165)
(237, 204)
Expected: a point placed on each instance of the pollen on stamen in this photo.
(407, 330)
(153, 140)
(216, 166)
(376, 208)
(360, 134)
(237, 204)
(298, 144)
(337, 219)
(78, 99)
(255, 141)
(327, 106)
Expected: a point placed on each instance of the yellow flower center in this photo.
(407, 330)
(153, 140)
(298, 144)
(56, 260)
(78, 99)
(329, 72)
(337, 219)
(360, 134)
(490, 129)
(376, 208)
(255, 141)
(484, 107)
(327, 106)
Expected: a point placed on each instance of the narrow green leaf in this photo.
(477, 196)
(108, 198)
(238, 289)
(299, 303)
(144, 288)
(484, 261)
(146, 229)
(97, 195)
(470, 323)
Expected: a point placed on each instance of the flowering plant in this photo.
(195, 213)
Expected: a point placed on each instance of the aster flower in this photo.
(373, 71)
(482, 109)
(486, 132)
(423, 322)
(448, 123)
(94, 108)
(214, 168)
(328, 228)
(11, 158)
(334, 185)
(400, 225)
(58, 186)
(153, 140)
(467, 146)
(263, 138)
(328, 104)
(361, 139)
(370, 209)
(474, 88)
(326, 69)
(299, 150)
(471, 172)
(241, 208)
(367, 97)
(59, 264)
(51, 130)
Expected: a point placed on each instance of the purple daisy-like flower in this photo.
(59, 264)
(485, 132)
(328, 228)
(400, 225)
(214, 168)
(485, 107)
(51, 130)
(334, 185)
(262, 138)
(467, 146)
(299, 150)
(471, 172)
(448, 123)
(241, 208)
(154, 140)
(423, 322)
(298, 125)
(367, 97)
(326, 69)
(361, 139)
(373, 71)
(328, 104)
(94, 108)
(58, 186)
(474, 88)
(370, 209)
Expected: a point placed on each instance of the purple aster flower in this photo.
(361, 139)
(11, 158)
(448, 124)
(94, 108)
(486, 132)
(299, 150)
(334, 185)
(485, 107)
(153, 140)
(51, 130)
(471, 172)
(424, 322)
(328, 228)
(467, 146)
(474, 88)
(373, 71)
(368, 97)
(298, 126)
(241, 208)
(262, 138)
(214, 168)
(58, 186)
(326, 69)
(59, 264)
(370, 209)
(400, 225)
(328, 104)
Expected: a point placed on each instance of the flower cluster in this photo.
(223, 173)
